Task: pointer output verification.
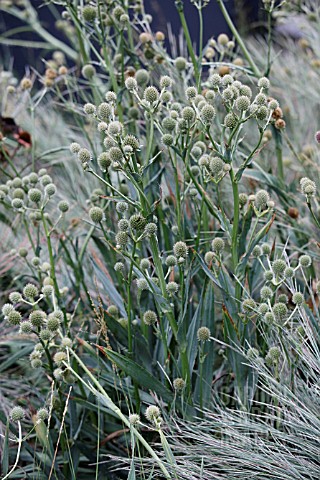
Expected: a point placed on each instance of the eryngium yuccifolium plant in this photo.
(159, 225)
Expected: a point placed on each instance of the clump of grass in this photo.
(158, 255)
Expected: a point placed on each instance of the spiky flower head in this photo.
(35, 195)
(152, 413)
(42, 414)
(37, 318)
(150, 317)
(207, 114)
(151, 95)
(180, 249)
(218, 245)
(134, 419)
(280, 310)
(30, 291)
(180, 63)
(305, 261)
(96, 214)
(17, 414)
(59, 358)
(179, 384)
(248, 305)
(279, 266)
(266, 293)
(142, 284)
(203, 334)
(172, 288)
(137, 222)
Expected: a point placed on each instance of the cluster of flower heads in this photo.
(30, 194)
(25, 311)
(280, 299)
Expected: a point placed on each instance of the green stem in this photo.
(278, 140)
(130, 300)
(189, 43)
(235, 228)
(237, 36)
(117, 411)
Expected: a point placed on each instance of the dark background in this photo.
(247, 14)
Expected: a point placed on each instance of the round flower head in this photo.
(89, 109)
(269, 318)
(151, 94)
(113, 310)
(191, 93)
(137, 222)
(203, 334)
(142, 284)
(266, 293)
(134, 419)
(230, 120)
(84, 155)
(171, 261)
(50, 189)
(15, 297)
(152, 413)
(180, 249)
(89, 13)
(268, 275)
(42, 414)
(279, 266)
(167, 139)
(188, 114)
(297, 298)
(104, 161)
(59, 358)
(209, 257)
(119, 267)
(144, 264)
(26, 327)
(53, 323)
(257, 251)
(150, 317)
(305, 261)
(252, 353)
(180, 63)
(14, 317)
(172, 288)
(151, 229)
(63, 206)
(249, 305)
(261, 199)
(121, 239)
(111, 97)
(218, 245)
(308, 187)
(7, 308)
(131, 84)
(88, 71)
(169, 124)
(166, 81)
(17, 414)
(263, 309)
(35, 195)
(243, 103)
(264, 83)
(223, 39)
(142, 77)
(96, 214)
(280, 310)
(274, 353)
(179, 384)
(207, 114)
(37, 318)
(215, 80)
(17, 203)
(30, 291)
